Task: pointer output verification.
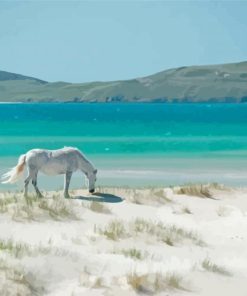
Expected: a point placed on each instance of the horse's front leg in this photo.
(66, 184)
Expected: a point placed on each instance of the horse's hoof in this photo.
(40, 196)
(66, 196)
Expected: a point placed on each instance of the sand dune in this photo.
(188, 240)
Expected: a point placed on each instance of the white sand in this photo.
(68, 256)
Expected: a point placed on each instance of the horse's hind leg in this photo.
(67, 179)
(26, 182)
(34, 182)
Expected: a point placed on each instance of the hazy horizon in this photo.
(120, 79)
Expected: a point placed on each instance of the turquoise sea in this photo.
(134, 144)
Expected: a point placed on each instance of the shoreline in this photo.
(138, 179)
(146, 102)
(144, 171)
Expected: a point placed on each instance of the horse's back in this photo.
(53, 161)
(53, 153)
(65, 151)
(37, 157)
(69, 156)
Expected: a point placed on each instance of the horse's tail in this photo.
(16, 172)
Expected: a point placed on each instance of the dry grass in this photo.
(201, 190)
(98, 283)
(195, 190)
(101, 189)
(87, 279)
(59, 208)
(132, 253)
(154, 282)
(33, 208)
(186, 210)
(99, 207)
(208, 265)
(153, 196)
(19, 249)
(15, 282)
(114, 230)
(15, 249)
(169, 234)
(6, 200)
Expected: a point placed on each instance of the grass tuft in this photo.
(196, 190)
(154, 282)
(113, 231)
(186, 210)
(169, 234)
(153, 197)
(201, 190)
(20, 250)
(58, 207)
(14, 281)
(98, 283)
(99, 207)
(208, 265)
(33, 208)
(132, 253)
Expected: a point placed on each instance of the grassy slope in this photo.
(216, 83)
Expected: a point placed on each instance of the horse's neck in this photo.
(86, 165)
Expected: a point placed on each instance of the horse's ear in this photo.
(95, 171)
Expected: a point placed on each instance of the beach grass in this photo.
(59, 208)
(20, 249)
(114, 230)
(99, 207)
(195, 190)
(132, 252)
(15, 281)
(169, 234)
(158, 253)
(154, 196)
(210, 266)
(200, 190)
(151, 283)
(186, 210)
(33, 208)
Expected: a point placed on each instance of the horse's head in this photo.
(92, 179)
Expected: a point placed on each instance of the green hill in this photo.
(12, 76)
(214, 83)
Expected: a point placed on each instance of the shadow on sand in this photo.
(101, 197)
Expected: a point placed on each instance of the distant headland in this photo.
(224, 83)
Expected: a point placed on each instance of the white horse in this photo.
(52, 162)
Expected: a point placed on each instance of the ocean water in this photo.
(134, 144)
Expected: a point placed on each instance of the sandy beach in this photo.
(188, 240)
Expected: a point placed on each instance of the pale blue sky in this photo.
(80, 41)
